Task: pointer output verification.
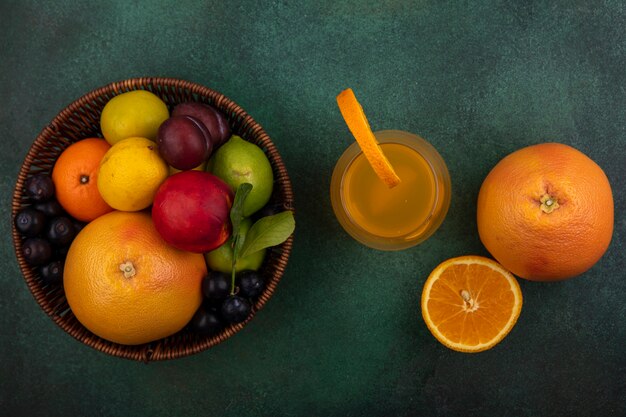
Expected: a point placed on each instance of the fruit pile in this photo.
(162, 224)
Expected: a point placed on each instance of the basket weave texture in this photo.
(80, 120)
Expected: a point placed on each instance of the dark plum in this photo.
(205, 321)
(212, 118)
(184, 142)
(36, 251)
(30, 222)
(50, 208)
(61, 231)
(251, 284)
(78, 225)
(52, 273)
(216, 286)
(61, 252)
(39, 188)
(235, 309)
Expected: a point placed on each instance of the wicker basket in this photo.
(81, 119)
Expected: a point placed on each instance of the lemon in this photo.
(130, 174)
(239, 161)
(221, 259)
(136, 113)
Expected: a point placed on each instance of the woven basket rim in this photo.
(158, 350)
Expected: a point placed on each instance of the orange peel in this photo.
(354, 117)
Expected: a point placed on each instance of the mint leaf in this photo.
(268, 231)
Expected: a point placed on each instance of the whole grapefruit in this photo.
(545, 212)
(126, 285)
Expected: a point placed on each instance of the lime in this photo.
(130, 174)
(239, 161)
(221, 259)
(131, 114)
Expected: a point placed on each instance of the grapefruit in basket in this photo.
(126, 285)
(545, 212)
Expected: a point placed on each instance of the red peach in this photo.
(191, 211)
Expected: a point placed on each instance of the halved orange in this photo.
(470, 303)
(354, 116)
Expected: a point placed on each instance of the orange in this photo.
(126, 285)
(470, 303)
(354, 116)
(545, 212)
(75, 177)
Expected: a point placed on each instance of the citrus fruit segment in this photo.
(470, 303)
(126, 285)
(354, 116)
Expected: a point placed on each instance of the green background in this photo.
(343, 335)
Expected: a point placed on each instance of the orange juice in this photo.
(392, 218)
(390, 212)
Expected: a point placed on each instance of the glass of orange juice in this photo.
(392, 218)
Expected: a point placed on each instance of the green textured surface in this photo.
(343, 336)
